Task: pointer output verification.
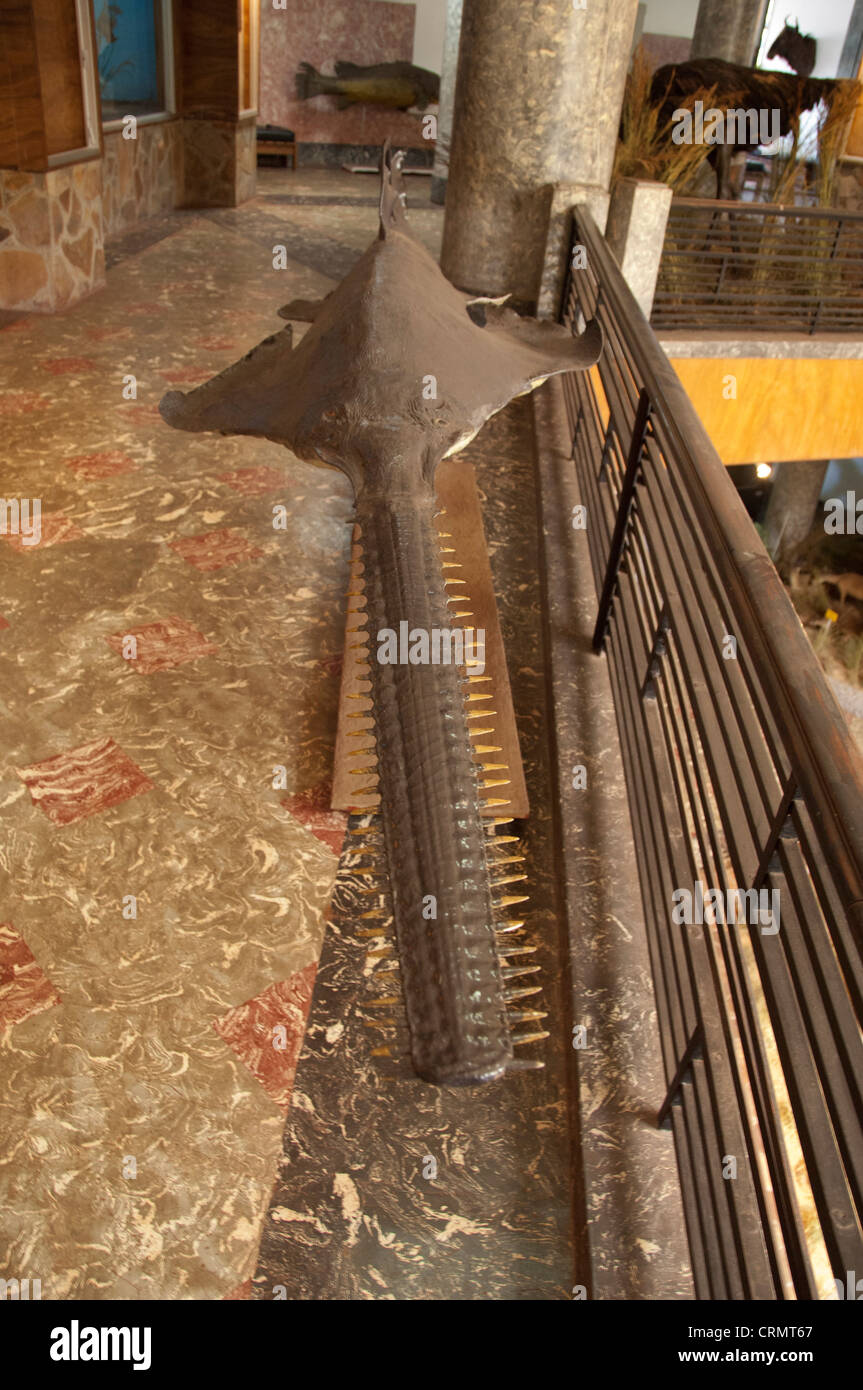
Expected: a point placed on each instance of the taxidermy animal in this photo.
(799, 50)
(401, 85)
(847, 584)
(353, 396)
(733, 86)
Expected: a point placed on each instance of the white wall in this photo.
(429, 27)
(826, 19)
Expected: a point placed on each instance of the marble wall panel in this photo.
(319, 32)
(220, 162)
(664, 48)
(246, 161)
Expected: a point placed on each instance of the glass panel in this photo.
(131, 61)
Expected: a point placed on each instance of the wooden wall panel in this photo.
(786, 407)
(22, 136)
(854, 144)
(209, 60)
(60, 66)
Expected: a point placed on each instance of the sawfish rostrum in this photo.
(351, 396)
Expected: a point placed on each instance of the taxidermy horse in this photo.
(352, 396)
(737, 88)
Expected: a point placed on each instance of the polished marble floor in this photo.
(169, 664)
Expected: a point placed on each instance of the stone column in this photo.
(537, 110)
(851, 58)
(635, 231)
(793, 505)
(449, 65)
(729, 29)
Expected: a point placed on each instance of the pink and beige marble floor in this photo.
(169, 660)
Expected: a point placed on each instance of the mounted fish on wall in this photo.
(400, 85)
(351, 396)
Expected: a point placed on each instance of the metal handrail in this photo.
(760, 266)
(745, 766)
(780, 209)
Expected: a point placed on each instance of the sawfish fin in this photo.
(240, 399)
(392, 206)
(544, 348)
(484, 299)
(303, 310)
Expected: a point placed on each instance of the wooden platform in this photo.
(457, 492)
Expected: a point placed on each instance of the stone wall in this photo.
(57, 222)
(54, 254)
(220, 162)
(141, 177)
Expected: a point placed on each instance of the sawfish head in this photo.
(398, 370)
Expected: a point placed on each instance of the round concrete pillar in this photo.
(449, 67)
(537, 110)
(729, 29)
(793, 505)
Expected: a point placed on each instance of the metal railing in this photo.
(760, 267)
(741, 774)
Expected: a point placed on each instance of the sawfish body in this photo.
(352, 395)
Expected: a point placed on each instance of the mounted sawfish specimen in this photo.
(353, 396)
(400, 85)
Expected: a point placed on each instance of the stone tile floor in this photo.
(169, 682)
